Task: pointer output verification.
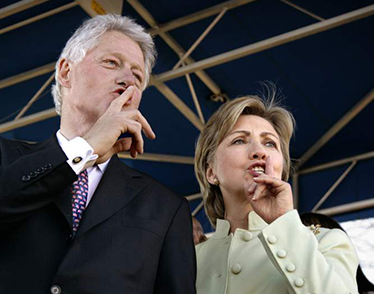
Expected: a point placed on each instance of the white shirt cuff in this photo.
(80, 154)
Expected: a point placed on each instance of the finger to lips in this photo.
(266, 180)
(123, 98)
(269, 169)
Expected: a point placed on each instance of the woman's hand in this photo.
(270, 197)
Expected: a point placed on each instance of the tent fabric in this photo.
(321, 77)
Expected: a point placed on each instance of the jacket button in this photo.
(40, 170)
(33, 174)
(291, 268)
(26, 178)
(247, 236)
(299, 282)
(272, 239)
(55, 289)
(48, 166)
(236, 268)
(281, 253)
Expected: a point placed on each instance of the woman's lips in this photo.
(254, 173)
(257, 169)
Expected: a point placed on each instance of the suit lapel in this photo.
(118, 186)
(63, 202)
(63, 198)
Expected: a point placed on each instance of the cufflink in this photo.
(315, 229)
(77, 159)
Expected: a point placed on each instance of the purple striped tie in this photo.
(79, 191)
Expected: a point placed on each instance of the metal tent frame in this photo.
(187, 66)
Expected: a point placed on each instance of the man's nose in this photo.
(257, 151)
(127, 79)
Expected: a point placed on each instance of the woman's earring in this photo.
(216, 182)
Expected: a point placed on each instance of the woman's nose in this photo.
(257, 151)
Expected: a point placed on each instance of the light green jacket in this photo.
(283, 257)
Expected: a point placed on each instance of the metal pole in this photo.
(194, 17)
(352, 113)
(333, 187)
(194, 97)
(38, 17)
(35, 97)
(201, 38)
(194, 196)
(160, 158)
(303, 10)
(197, 209)
(295, 189)
(359, 205)
(335, 163)
(268, 43)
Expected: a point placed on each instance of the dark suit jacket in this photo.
(135, 236)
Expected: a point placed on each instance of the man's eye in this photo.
(110, 62)
(138, 77)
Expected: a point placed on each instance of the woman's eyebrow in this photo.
(247, 133)
(264, 134)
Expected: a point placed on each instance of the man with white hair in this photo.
(73, 217)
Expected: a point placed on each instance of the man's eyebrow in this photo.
(137, 67)
(122, 56)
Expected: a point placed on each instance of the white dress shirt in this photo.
(79, 148)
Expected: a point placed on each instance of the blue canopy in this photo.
(318, 53)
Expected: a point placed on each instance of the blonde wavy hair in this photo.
(220, 125)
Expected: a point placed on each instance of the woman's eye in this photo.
(271, 144)
(238, 142)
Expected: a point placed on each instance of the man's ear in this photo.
(64, 74)
(210, 175)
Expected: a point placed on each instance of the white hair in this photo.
(87, 36)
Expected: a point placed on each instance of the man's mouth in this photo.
(120, 91)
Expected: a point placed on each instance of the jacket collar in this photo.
(118, 186)
(255, 223)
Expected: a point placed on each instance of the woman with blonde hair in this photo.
(260, 245)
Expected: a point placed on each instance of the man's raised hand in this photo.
(104, 134)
